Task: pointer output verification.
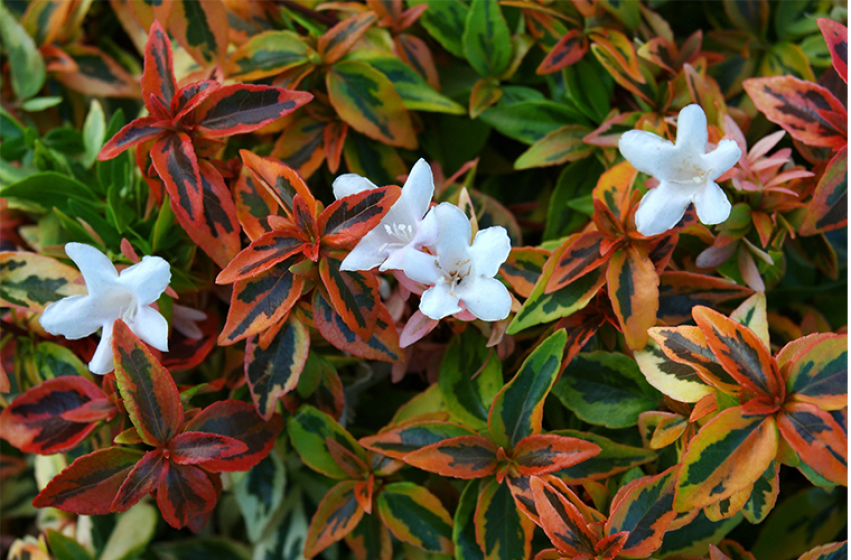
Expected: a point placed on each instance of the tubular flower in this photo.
(401, 230)
(111, 296)
(460, 273)
(686, 173)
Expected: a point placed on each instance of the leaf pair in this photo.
(302, 243)
(184, 120)
(512, 450)
(640, 513)
(793, 393)
(410, 512)
(187, 454)
(615, 255)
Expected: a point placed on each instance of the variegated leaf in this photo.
(416, 516)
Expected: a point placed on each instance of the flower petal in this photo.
(489, 250)
(73, 317)
(418, 189)
(147, 279)
(150, 326)
(722, 158)
(368, 253)
(692, 133)
(649, 153)
(662, 208)
(98, 271)
(350, 183)
(486, 298)
(454, 235)
(102, 360)
(712, 204)
(438, 302)
(422, 267)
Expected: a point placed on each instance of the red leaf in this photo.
(237, 420)
(149, 393)
(339, 39)
(346, 221)
(265, 252)
(561, 520)
(800, 107)
(193, 448)
(36, 421)
(258, 303)
(634, 292)
(190, 96)
(351, 464)
(253, 205)
(136, 132)
(158, 77)
(337, 515)
(741, 353)
(459, 457)
(546, 453)
(817, 437)
(334, 136)
(174, 159)
(280, 180)
(578, 256)
(241, 108)
(353, 294)
(829, 207)
(836, 37)
(569, 50)
(185, 352)
(383, 345)
(142, 479)
(89, 485)
(185, 493)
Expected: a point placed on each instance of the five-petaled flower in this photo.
(686, 173)
(111, 295)
(402, 228)
(460, 273)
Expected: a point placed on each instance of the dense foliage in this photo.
(536, 347)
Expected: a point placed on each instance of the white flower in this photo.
(111, 296)
(402, 228)
(686, 173)
(460, 273)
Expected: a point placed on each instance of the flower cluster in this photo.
(434, 248)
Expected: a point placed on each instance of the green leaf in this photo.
(470, 377)
(53, 360)
(518, 408)
(367, 100)
(285, 537)
(37, 104)
(25, 62)
(809, 518)
(528, 121)
(502, 531)
(259, 493)
(695, 537)
(606, 390)
(66, 548)
(562, 145)
(415, 92)
(94, 133)
(576, 179)
(309, 429)
(487, 40)
(132, 533)
(416, 516)
(445, 21)
(464, 528)
(613, 458)
(266, 54)
(49, 190)
(544, 308)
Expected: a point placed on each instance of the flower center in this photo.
(697, 178)
(402, 234)
(456, 276)
(124, 304)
